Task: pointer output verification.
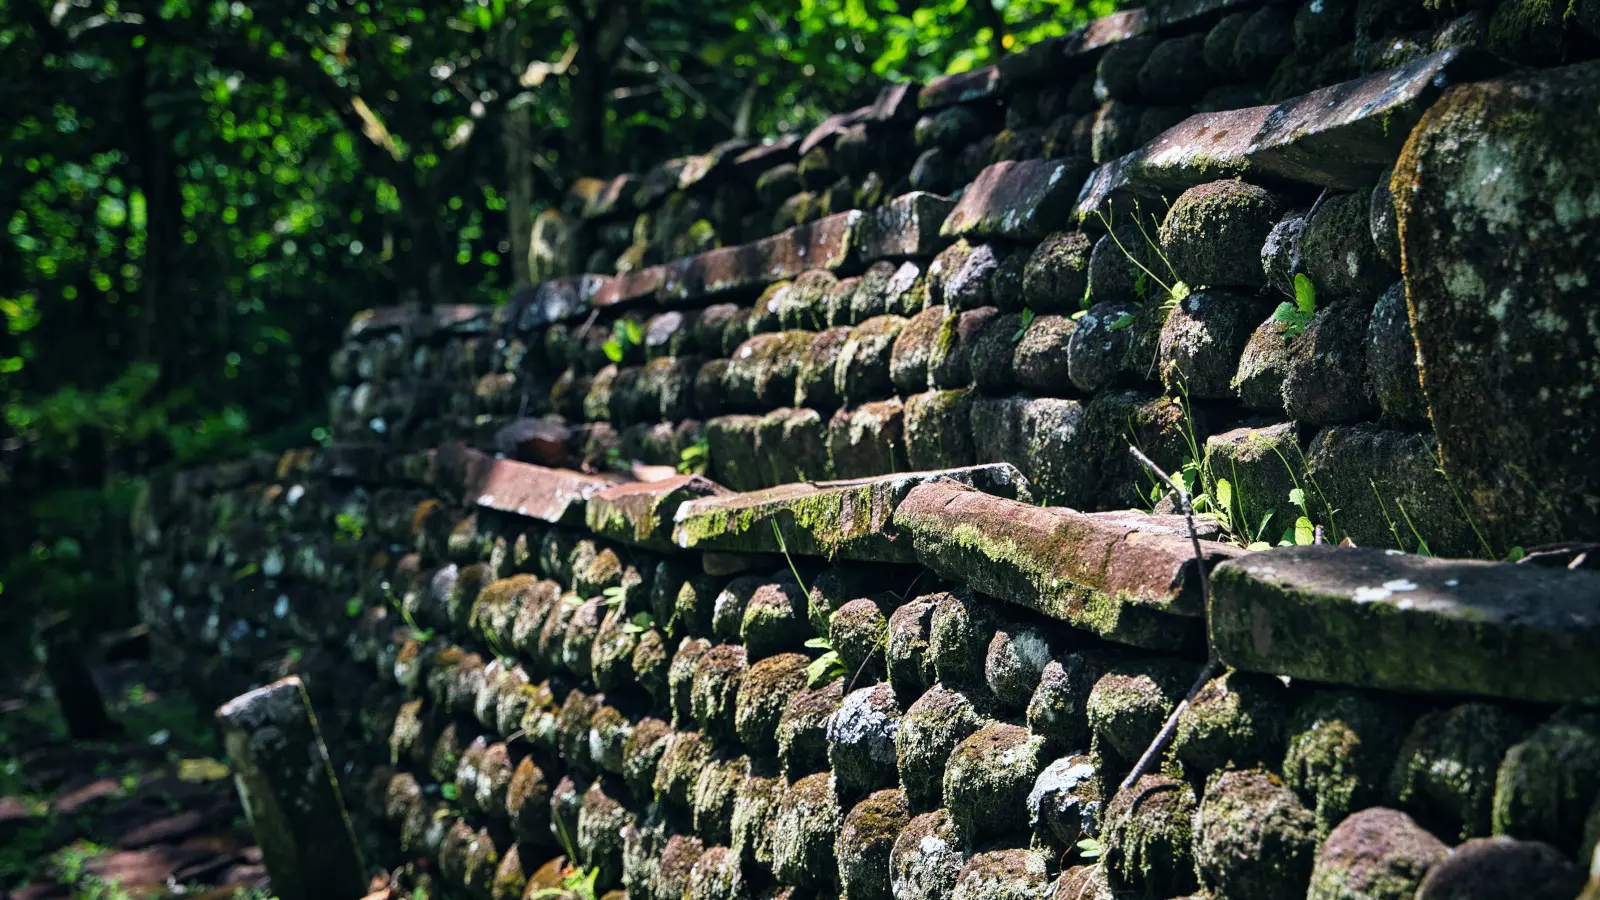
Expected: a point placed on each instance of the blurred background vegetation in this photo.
(196, 197)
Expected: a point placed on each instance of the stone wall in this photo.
(914, 624)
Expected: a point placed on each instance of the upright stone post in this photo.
(290, 793)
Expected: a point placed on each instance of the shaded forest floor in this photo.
(152, 813)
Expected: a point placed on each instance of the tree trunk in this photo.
(516, 134)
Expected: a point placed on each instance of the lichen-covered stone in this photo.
(815, 384)
(838, 585)
(1341, 745)
(1236, 720)
(715, 794)
(1406, 501)
(1502, 867)
(803, 839)
(678, 771)
(865, 839)
(936, 429)
(714, 690)
(678, 859)
(1444, 773)
(836, 305)
(929, 732)
(803, 728)
(727, 611)
(601, 820)
(926, 858)
(1131, 702)
(1327, 379)
(914, 346)
(910, 669)
(959, 276)
(577, 643)
(861, 740)
(1392, 362)
(959, 638)
(1203, 338)
(528, 803)
(1002, 875)
(950, 363)
(1058, 711)
(1547, 782)
(1064, 804)
(680, 678)
(755, 815)
(1375, 854)
(862, 372)
(1104, 350)
(988, 779)
(764, 692)
(1338, 253)
(695, 605)
(1014, 663)
(857, 632)
(1211, 234)
(1252, 838)
(1148, 838)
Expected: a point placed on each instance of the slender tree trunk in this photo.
(517, 139)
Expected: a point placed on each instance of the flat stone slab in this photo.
(635, 286)
(960, 87)
(1390, 620)
(837, 519)
(823, 244)
(908, 225)
(558, 496)
(642, 513)
(1103, 574)
(615, 197)
(1344, 136)
(1018, 200)
(561, 299)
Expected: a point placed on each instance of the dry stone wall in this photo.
(912, 626)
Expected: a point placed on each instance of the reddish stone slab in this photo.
(961, 87)
(831, 126)
(616, 197)
(1018, 200)
(908, 225)
(751, 163)
(823, 244)
(1104, 575)
(894, 103)
(558, 496)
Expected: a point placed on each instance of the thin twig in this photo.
(1209, 671)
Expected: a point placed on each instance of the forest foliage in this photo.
(196, 197)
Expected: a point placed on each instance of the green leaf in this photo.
(612, 350)
(1297, 497)
(1224, 495)
(824, 669)
(1121, 322)
(448, 791)
(1515, 554)
(819, 643)
(1304, 532)
(1259, 545)
(1305, 295)
(1027, 319)
(633, 331)
(1179, 291)
(352, 607)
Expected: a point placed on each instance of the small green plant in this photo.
(578, 882)
(449, 791)
(423, 635)
(639, 624)
(1121, 322)
(625, 333)
(826, 667)
(353, 606)
(245, 571)
(694, 458)
(1027, 319)
(614, 595)
(1090, 848)
(783, 546)
(1297, 316)
(1175, 290)
(349, 527)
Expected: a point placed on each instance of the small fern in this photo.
(1298, 315)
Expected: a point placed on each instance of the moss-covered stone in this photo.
(611, 654)
(1203, 339)
(1445, 770)
(1375, 854)
(1148, 837)
(1014, 662)
(862, 372)
(988, 779)
(958, 640)
(868, 440)
(1236, 720)
(1057, 272)
(1548, 781)
(857, 631)
(1101, 349)
(1262, 464)
(936, 430)
(735, 461)
(678, 859)
(539, 717)
(492, 784)
(836, 305)
(651, 663)
(1341, 745)
(1131, 702)
(1058, 712)
(1002, 875)
(803, 839)
(727, 610)
(1338, 252)
(1212, 233)
(929, 732)
(641, 755)
(1502, 867)
(865, 839)
(680, 678)
(643, 841)
(693, 608)
(950, 363)
(914, 346)
(1040, 361)
(601, 820)
(552, 637)
(764, 692)
(803, 728)
(1391, 357)
(682, 760)
(715, 793)
(538, 599)
(528, 804)
(510, 877)
(469, 858)
(1253, 840)
(1388, 490)
(608, 736)
(755, 817)
(815, 382)
(959, 276)
(989, 355)
(951, 127)
(714, 689)
(577, 644)
(774, 620)
(910, 670)
(1327, 380)
(566, 802)
(572, 728)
